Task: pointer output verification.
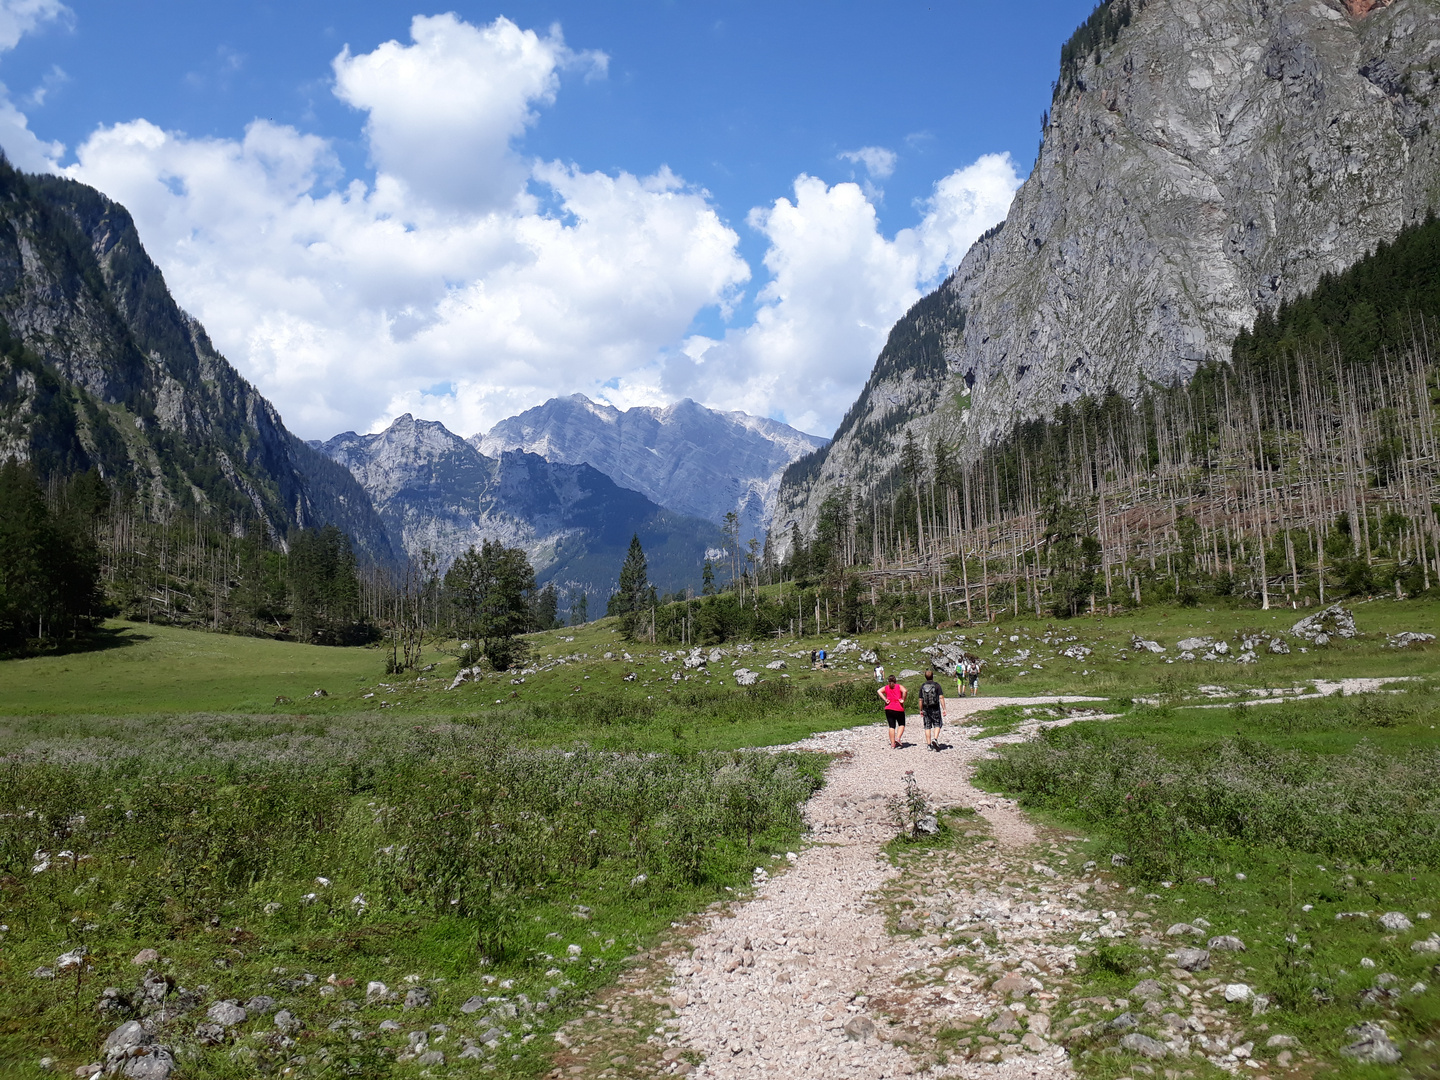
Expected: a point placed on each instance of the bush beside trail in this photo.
(1169, 808)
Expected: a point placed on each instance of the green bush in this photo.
(1169, 810)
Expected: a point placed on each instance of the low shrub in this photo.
(1168, 809)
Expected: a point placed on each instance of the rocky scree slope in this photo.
(436, 492)
(100, 368)
(1199, 164)
(685, 457)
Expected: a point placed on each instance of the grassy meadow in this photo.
(506, 844)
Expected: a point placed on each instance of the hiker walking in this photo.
(932, 709)
(893, 695)
(972, 675)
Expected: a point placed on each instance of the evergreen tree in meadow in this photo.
(490, 588)
(633, 594)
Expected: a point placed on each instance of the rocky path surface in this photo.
(807, 979)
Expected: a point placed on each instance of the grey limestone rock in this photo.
(435, 491)
(417, 998)
(1192, 959)
(151, 1063)
(683, 456)
(1124, 1022)
(125, 1038)
(226, 1013)
(1395, 921)
(1144, 1045)
(1372, 1045)
(1331, 622)
(1212, 163)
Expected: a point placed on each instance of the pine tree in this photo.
(544, 609)
(707, 579)
(489, 588)
(634, 590)
(49, 564)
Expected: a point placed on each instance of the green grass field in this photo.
(204, 793)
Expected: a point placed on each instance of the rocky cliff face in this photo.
(1207, 162)
(691, 459)
(101, 368)
(436, 492)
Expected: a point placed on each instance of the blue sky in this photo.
(614, 218)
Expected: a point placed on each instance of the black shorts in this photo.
(895, 717)
(933, 720)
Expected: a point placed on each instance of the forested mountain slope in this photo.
(1200, 164)
(100, 368)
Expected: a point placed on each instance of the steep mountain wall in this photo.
(100, 367)
(691, 459)
(436, 492)
(1201, 162)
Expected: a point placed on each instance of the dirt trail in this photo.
(799, 979)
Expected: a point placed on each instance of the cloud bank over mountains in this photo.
(466, 281)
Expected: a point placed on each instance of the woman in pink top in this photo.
(893, 695)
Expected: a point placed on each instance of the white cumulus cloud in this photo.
(837, 286)
(467, 281)
(22, 146)
(348, 303)
(442, 111)
(878, 162)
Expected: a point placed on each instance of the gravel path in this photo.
(770, 988)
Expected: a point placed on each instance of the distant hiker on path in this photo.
(972, 675)
(932, 708)
(893, 695)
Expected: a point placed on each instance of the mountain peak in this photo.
(685, 456)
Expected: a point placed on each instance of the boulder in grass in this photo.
(1144, 1045)
(1406, 638)
(126, 1038)
(1372, 1045)
(1335, 621)
(1192, 959)
(226, 1013)
(1395, 921)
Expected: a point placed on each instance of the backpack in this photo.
(930, 695)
